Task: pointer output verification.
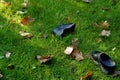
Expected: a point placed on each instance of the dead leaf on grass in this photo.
(7, 55)
(68, 50)
(25, 34)
(73, 50)
(25, 4)
(105, 33)
(6, 4)
(44, 35)
(104, 25)
(67, 18)
(99, 40)
(44, 59)
(27, 20)
(1, 75)
(87, 1)
(87, 76)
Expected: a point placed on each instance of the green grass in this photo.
(49, 14)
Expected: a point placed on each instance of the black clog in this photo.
(63, 29)
(106, 63)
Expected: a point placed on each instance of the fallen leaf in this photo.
(7, 55)
(68, 50)
(104, 25)
(27, 20)
(25, 34)
(44, 35)
(78, 55)
(75, 42)
(87, 1)
(87, 76)
(105, 33)
(1, 75)
(73, 50)
(37, 57)
(67, 18)
(99, 40)
(44, 59)
(6, 4)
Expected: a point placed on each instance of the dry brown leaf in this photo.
(68, 50)
(27, 20)
(105, 33)
(87, 76)
(99, 40)
(44, 59)
(6, 4)
(67, 18)
(25, 34)
(73, 50)
(104, 25)
(78, 55)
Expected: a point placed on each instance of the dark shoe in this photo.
(106, 61)
(107, 64)
(64, 29)
(95, 55)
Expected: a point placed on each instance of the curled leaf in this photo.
(104, 25)
(105, 33)
(27, 20)
(87, 76)
(76, 54)
(68, 50)
(25, 34)
(73, 50)
(44, 59)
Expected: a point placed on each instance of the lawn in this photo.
(48, 14)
